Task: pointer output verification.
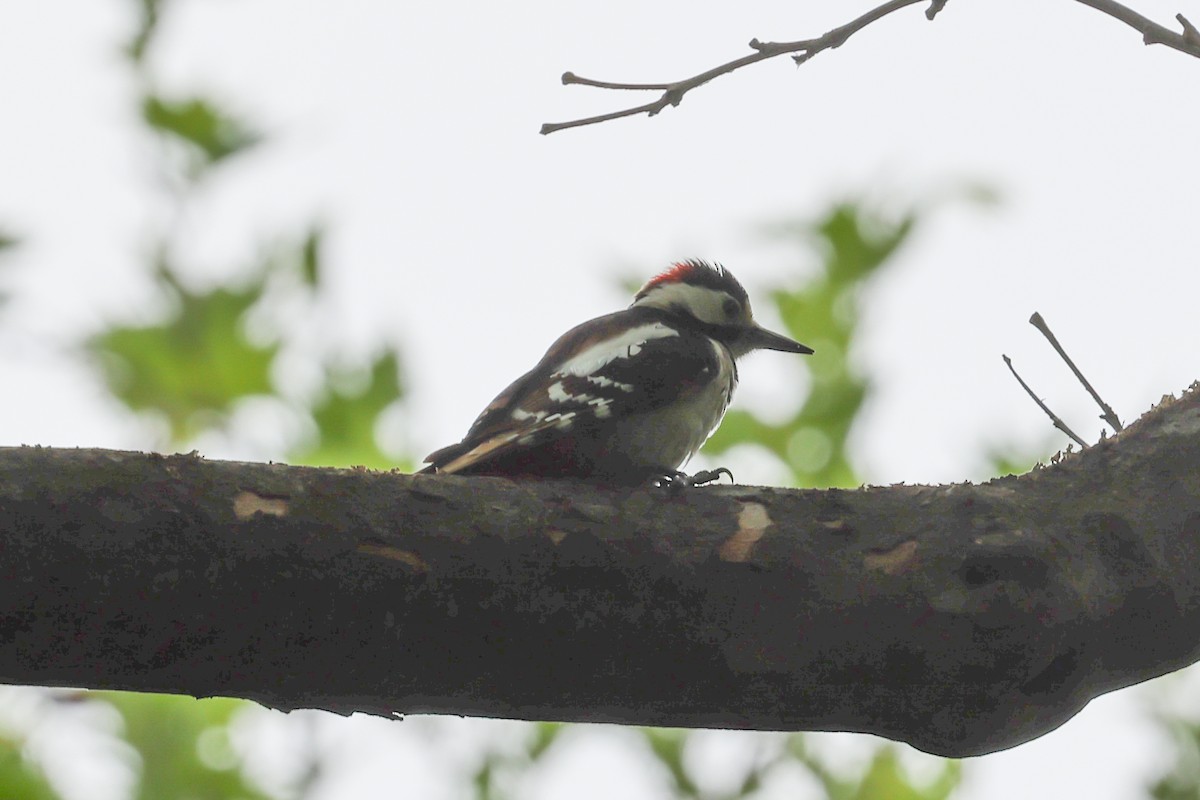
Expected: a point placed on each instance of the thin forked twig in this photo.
(1109, 415)
(1058, 423)
(672, 93)
(1152, 33)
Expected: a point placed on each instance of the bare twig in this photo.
(1058, 423)
(672, 93)
(804, 49)
(1109, 415)
(1152, 33)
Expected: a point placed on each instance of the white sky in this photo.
(459, 232)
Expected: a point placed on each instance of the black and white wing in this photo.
(604, 371)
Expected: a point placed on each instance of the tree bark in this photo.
(962, 619)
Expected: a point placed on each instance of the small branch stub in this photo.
(1190, 33)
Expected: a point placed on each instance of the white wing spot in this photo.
(559, 395)
(520, 415)
(602, 404)
(561, 420)
(604, 382)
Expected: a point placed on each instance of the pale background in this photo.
(459, 232)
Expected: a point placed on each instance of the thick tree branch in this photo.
(962, 619)
(672, 93)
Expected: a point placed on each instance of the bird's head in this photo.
(708, 295)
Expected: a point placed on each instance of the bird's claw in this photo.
(711, 476)
(676, 480)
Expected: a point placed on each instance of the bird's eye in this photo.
(730, 307)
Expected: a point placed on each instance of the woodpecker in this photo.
(626, 398)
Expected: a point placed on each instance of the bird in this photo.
(628, 398)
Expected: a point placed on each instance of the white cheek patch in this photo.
(705, 304)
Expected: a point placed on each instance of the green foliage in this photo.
(19, 777)
(148, 14)
(1180, 781)
(883, 779)
(310, 257)
(183, 745)
(854, 242)
(1007, 460)
(7, 242)
(347, 414)
(668, 746)
(211, 133)
(193, 367)
(496, 766)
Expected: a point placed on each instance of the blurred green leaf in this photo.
(883, 778)
(545, 734)
(19, 777)
(1179, 777)
(147, 26)
(834, 786)
(1007, 460)
(886, 778)
(347, 414)
(488, 779)
(483, 779)
(212, 133)
(668, 744)
(310, 256)
(854, 242)
(7, 242)
(183, 744)
(198, 363)
(857, 240)
(196, 366)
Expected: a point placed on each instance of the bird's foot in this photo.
(676, 481)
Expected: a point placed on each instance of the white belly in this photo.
(669, 436)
